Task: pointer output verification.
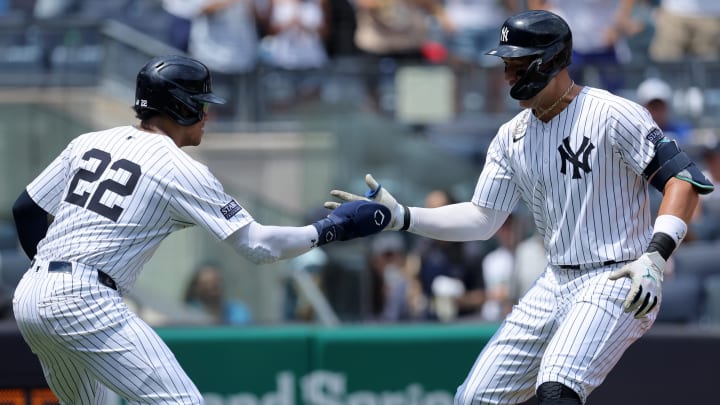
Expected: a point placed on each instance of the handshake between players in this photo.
(358, 216)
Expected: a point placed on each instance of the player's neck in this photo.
(151, 126)
(550, 105)
(160, 127)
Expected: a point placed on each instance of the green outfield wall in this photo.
(361, 365)
(382, 365)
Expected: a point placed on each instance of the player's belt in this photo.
(589, 265)
(66, 267)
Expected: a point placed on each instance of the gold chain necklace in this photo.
(556, 102)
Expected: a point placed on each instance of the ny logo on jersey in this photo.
(504, 34)
(568, 155)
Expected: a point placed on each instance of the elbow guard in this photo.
(669, 161)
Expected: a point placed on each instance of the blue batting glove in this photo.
(350, 220)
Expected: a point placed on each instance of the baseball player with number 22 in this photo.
(581, 159)
(115, 195)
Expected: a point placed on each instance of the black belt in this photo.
(66, 267)
(589, 265)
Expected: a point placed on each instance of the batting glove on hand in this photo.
(351, 220)
(399, 218)
(647, 275)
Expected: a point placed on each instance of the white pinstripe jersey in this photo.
(580, 175)
(116, 194)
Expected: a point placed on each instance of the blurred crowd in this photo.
(236, 35)
(405, 278)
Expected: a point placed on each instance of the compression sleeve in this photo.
(31, 222)
(456, 222)
(263, 244)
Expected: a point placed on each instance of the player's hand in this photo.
(647, 275)
(351, 220)
(377, 194)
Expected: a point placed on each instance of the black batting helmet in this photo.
(177, 86)
(535, 33)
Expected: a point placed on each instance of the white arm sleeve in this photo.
(457, 222)
(266, 244)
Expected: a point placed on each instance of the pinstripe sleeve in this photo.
(633, 133)
(48, 187)
(199, 198)
(495, 188)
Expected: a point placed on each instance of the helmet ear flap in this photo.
(531, 83)
(184, 109)
(541, 71)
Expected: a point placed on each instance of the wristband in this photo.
(668, 232)
(406, 219)
(672, 226)
(663, 244)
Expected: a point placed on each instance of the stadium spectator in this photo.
(706, 221)
(224, 34)
(180, 13)
(394, 294)
(340, 40)
(657, 96)
(469, 30)
(599, 29)
(530, 263)
(686, 29)
(458, 261)
(390, 33)
(296, 34)
(205, 292)
(498, 272)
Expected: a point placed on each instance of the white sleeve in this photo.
(457, 222)
(266, 243)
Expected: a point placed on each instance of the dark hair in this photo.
(191, 289)
(143, 114)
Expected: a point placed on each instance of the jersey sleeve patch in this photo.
(230, 209)
(655, 136)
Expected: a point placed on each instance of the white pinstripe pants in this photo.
(569, 328)
(87, 339)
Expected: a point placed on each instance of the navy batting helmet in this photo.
(177, 86)
(535, 33)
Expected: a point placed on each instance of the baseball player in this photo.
(115, 195)
(581, 159)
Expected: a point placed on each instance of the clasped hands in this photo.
(357, 216)
(399, 216)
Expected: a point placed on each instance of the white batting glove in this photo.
(647, 275)
(399, 216)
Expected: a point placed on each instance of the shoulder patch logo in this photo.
(230, 209)
(655, 136)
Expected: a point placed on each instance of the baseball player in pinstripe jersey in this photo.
(115, 195)
(581, 159)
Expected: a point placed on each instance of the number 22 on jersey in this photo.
(92, 200)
